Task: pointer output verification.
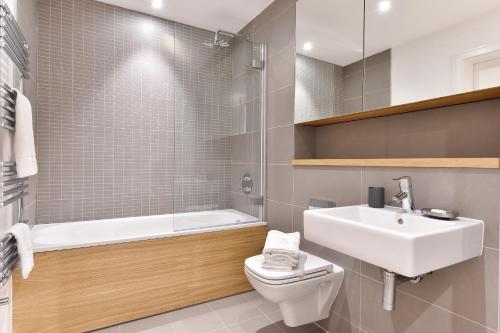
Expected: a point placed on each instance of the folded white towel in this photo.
(278, 259)
(22, 234)
(281, 251)
(276, 267)
(298, 267)
(24, 142)
(278, 242)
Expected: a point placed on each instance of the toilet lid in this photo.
(312, 266)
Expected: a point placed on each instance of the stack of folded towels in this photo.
(281, 251)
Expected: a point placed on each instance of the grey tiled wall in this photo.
(459, 299)
(433, 133)
(377, 88)
(324, 89)
(318, 89)
(134, 115)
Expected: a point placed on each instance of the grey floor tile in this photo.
(255, 325)
(277, 319)
(263, 304)
(308, 328)
(155, 324)
(198, 318)
(235, 309)
(223, 330)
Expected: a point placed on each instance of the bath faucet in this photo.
(405, 195)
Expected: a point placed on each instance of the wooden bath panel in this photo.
(89, 288)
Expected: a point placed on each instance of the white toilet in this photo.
(305, 294)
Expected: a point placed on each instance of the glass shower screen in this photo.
(218, 129)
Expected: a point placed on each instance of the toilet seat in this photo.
(309, 268)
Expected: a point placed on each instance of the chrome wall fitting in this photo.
(246, 183)
(391, 281)
(315, 203)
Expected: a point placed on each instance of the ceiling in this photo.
(334, 27)
(231, 15)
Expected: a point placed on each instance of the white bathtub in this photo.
(60, 236)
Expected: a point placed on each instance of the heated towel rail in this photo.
(12, 40)
(12, 189)
(16, 46)
(7, 107)
(9, 258)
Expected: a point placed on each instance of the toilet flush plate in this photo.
(405, 243)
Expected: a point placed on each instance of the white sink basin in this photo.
(405, 243)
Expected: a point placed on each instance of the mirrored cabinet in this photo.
(329, 58)
(393, 56)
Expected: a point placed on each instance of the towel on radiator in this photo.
(22, 234)
(281, 250)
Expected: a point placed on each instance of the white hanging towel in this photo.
(22, 234)
(24, 141)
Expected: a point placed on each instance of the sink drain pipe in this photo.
(391, 280)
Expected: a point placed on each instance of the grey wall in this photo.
(134, 112)
(468, 130)
(318, 89)
(323, 89)
(377, 89)
(459, 299)
(378, 80)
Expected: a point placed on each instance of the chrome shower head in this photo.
(217, 42)
(213, 44)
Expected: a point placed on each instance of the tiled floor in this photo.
(244, 313)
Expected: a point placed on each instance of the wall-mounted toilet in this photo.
(305, 294)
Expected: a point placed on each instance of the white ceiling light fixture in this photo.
(308, 46)
(157, 4)
(384, 6)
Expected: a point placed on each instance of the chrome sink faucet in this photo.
(405, 195)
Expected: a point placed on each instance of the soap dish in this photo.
(440, 213)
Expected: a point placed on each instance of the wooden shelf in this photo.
(468, 97)
(479, 163)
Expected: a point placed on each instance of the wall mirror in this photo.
(413, 51)
(329, 58)
(427, 49)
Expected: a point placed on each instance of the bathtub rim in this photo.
(40, 248)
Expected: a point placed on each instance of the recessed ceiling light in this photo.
(308, 46)
(384, 5)
(157, 4)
